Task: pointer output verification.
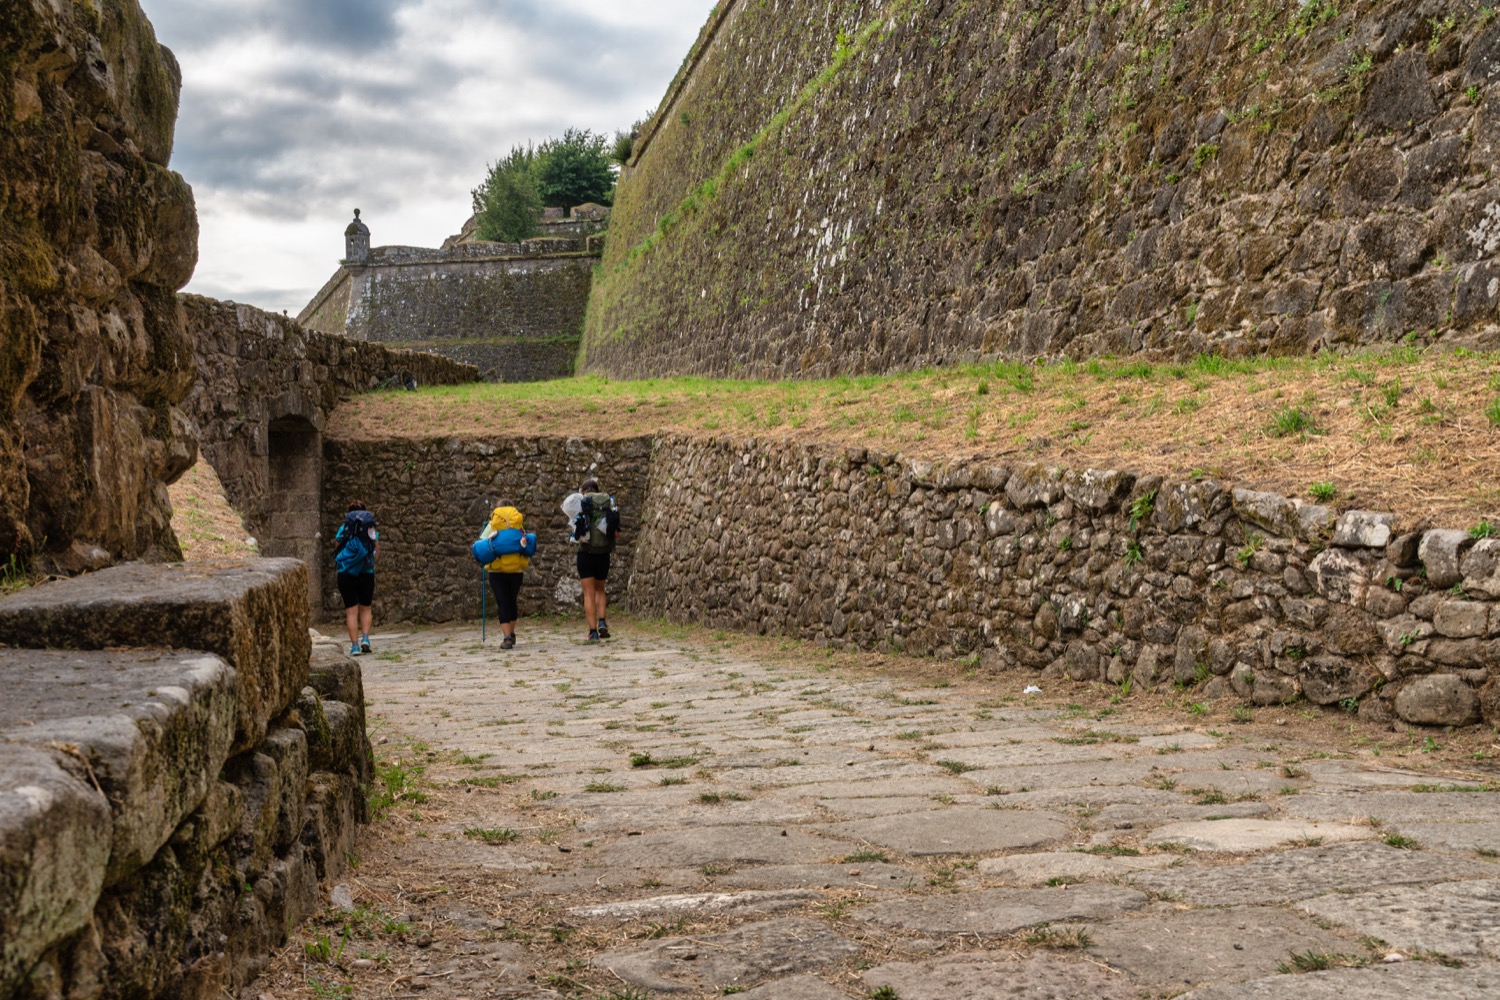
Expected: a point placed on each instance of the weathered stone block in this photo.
(1033, 486)
(1186, 505)
(1363, 529)
(154, 728)
(1328, 680)
(54, 850)
(333, 808)
(1481, 568)
(1272, 688)
(1097, 491)
(1441, 552)
(1278, 515)
(1437, 700)
(253, 614)
(1462, 619)
(1339, 576)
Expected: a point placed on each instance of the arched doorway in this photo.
(294, 490)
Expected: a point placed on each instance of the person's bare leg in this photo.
(590, 599)
(366, 619)
(351, 619)
(599, 599)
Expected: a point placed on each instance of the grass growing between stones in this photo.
(1402, 429)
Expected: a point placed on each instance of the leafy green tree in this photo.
(509, 202)
(576, 169)
(565, 172)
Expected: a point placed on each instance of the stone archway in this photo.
(294, 482)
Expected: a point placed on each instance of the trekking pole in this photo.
(481, 605)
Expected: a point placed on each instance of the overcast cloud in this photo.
(294, 112)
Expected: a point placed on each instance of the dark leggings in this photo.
(506, 587)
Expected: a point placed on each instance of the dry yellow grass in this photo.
(1417, 432)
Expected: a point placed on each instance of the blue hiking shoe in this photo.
(354, 649)
(364, 643)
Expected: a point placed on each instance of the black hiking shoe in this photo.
(603, 629)
(509, 642)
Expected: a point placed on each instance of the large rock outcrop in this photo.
(96, 236)
(885, 184)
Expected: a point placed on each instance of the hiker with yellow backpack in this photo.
(505, 550)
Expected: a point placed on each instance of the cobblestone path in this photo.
(661, 816)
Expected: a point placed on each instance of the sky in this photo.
(296, 112)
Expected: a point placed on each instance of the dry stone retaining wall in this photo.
(1095, 575)
(1089, 574)
(178, 772)
(433, 497)
(883, 184)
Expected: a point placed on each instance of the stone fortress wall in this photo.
(514, 310)
(266, 386)
(887, 184)
(1099, 576)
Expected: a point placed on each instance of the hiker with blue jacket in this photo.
(512, 546)
(356, 544)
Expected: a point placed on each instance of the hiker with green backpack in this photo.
(356, 544)
(596, 525)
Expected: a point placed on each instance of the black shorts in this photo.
(593, 565)
(357, 589)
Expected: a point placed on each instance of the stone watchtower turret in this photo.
(356, 241)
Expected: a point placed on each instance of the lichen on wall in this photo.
(96, 235)
(882, 184)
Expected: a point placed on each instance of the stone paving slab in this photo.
(1245, 836)
(1346, 775)
(155, 728)
(722, 845)
(1459, 919)
(1171, 951)
(1403, 981)
(1309, 872)
(878, 788)
(1052, 777)
(1233, 782)
(1072, 866)
(755, 812)
(850, 875)
(982, 976)
(1003, 911)
(1146, 817)
(1399, 807)
(742, 956)
(956, 830)
(866, 808)
(696, 904)
(1477, 835)
(1010, 755)
(1090, 795)
(795, 988)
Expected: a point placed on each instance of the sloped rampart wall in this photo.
(849, 187)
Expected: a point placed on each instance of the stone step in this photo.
(251, 613)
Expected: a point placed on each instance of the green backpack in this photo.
(599, 507)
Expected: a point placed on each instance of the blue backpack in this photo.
(356, 551)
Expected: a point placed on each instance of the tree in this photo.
(509, 201)
(565, 172)
(575, 169)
